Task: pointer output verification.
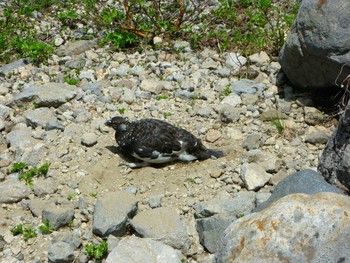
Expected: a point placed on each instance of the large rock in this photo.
(47, 95)
(61, 252)
(306, 182)
(43, 117)
(76, 47)
(239, 204)
(318, 44)
(133, 250)
(210, 230)
(13, 191)
(58, 216)
(297, 228)
(334, 163)
(163, 224)
(112, 212)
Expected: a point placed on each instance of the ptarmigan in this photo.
(155, 141)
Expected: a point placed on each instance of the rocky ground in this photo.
(229, 101)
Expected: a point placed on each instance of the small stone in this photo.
(260, 58)
(58, 41)
(254, 176)
(235, 60)
(155, 201)
(212, 135)
(157, 40)
(89, 139)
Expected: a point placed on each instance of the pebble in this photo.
(89, 139)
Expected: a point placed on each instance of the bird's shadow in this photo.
(131, 159)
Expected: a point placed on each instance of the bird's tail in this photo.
(215, 153)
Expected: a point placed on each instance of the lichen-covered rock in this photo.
(297, 228)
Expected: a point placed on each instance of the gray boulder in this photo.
(58, 216)
(13, 191)
(246, 86)
(76, 47)
(61, 252)
(21, 139)
(112, 212)
(334, 162)
(164, 224)
(297, 228)
(45, 186)
(9, 68)
(210, 230)
(134, 250)
(306, 181)
(68, 238)
(239, 204)
(42, 117)
(318, 45)
(47, 95)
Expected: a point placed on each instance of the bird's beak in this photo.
(108, 123)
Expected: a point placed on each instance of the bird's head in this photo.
(118, 123)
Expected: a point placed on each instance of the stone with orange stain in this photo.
(297, 228)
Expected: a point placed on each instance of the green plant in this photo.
(37, 51)
(68, 18)
(17, 230)
(162, 97)
(278, 124)
(71, 80)
(166, 114)
(44, 169)
(28, 174)
(190, 180)
(121, 110)
(17, 167)
(240, 215)
(97, 251)
(46, 228)
(28, 233)
(71, 224)
(71, 196)
(227, 91)
(93, 194)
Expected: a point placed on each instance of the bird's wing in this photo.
(153, 138)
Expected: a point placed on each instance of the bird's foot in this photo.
(134, 165)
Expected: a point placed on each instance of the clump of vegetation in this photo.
(71, 196)
(17, 230)
(162, 97)
(121, 110)
(46, 228)
(28, 232)
(278, 123)
(97, 252)
(227, 91)
(17, 167)
(27, 173)
(71, 80)
(246, 26)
